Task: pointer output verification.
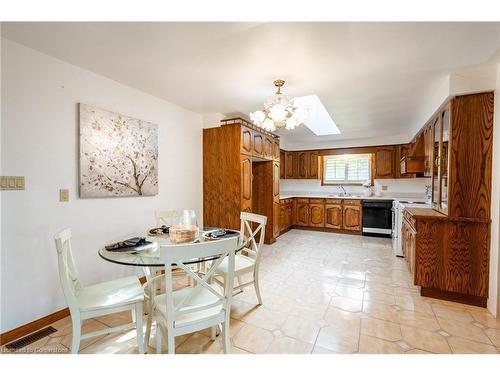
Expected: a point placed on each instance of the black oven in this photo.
(377, 218)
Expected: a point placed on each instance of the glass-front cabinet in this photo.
(435, 162)
(441, 161)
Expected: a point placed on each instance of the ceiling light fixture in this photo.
(279, 112)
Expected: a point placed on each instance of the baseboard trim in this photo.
(454, 297)
(33, 326)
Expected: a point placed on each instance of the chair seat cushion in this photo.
(242, 264)
(203, 297)
(110, 294)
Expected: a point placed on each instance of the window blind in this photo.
(343, 169)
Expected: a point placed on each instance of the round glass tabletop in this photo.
(149, 256)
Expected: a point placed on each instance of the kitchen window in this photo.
(354, 169)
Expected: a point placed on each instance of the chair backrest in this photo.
(255, 236)
(164, 217)
(178, 255)
(68, 274)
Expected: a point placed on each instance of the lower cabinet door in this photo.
(316, 215)
(302, 213)
(276, 219)
(333, 216)
(351, 218)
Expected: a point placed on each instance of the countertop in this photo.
(413, 198)
(426, 213)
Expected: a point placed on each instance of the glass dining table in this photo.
(149, 255)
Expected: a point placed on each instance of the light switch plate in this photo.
(11, 182)
(384, 187)
(63, 195)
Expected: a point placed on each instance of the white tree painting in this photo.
(118, 155)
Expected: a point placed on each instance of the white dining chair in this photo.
(249, 263)
(205, 305)
(96, 300)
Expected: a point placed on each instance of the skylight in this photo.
(318, 118)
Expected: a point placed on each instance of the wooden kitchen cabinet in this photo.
(351, 217)
(238, 178)
(385, 162)
(258, 144)
(313, 168)
(302, 164)
(316, 213)
(289, 164)
(276, 150)
(282, 164)
(428, 149)
(246, 141)
(246, 183)
(268, 148)
(302, 212)
(333, 215)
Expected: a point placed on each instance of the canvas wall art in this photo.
(118, 154)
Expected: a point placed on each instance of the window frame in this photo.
(346, 183)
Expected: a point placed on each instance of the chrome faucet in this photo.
(345, 192)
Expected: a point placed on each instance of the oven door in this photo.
(377, 218)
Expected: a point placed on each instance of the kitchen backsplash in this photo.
(407, 186)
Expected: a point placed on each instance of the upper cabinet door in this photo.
(276, 181)
(282, 164)
(313, 165)
(384, 162)
(444, 161)
(268, 147)
(289, 164)
(436, 162)
(276, 149)
(303, 164)
(258, 144)
(429, 147)
(246, 141)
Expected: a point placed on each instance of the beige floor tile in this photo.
(342, 337)
(419, 320)
(253, 339)
(116, 343)
(310, 312)
(486, 319)
(381, 311)
(464, 329)
(450, 312)
(347, 304)
(345, 291)
(301, 329)
(265, 318)
(413, 304)
(381, 329)
(379, 297)
(425, 340)
(460, 345)
(289, 345)
(89, 325)
(114, 320)
(236, 350)
(198, 343)
(373, 345)
(280, 303)
(494, 336)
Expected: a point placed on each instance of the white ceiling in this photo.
(373, 78)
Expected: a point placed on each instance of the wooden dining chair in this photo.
(249, 262)
(96, 300)
(205, 305)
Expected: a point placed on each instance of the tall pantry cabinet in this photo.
(241, 172)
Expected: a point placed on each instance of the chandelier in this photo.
(279, 112)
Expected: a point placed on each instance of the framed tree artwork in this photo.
(118, 154)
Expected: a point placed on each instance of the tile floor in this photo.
(323, 293)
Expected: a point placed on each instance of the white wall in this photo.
(39, 141)
(494, 287)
